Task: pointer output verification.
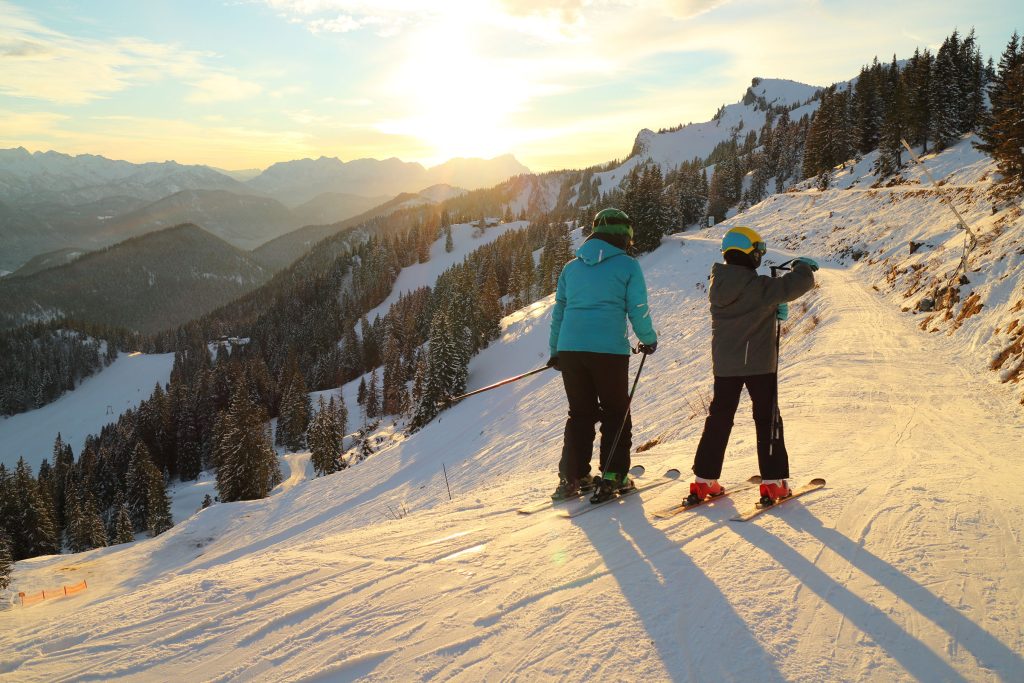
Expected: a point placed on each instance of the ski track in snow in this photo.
(907, 566)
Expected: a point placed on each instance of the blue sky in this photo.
(560, 84)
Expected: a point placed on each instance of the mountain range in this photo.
(51, 201)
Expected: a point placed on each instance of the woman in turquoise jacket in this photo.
(597, 291)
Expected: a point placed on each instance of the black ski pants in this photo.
(772, 458)
(596, 385)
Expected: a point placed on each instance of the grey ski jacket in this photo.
(743, 307)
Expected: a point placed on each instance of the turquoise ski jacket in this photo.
(596, 292)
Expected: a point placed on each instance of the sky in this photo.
(240, 84)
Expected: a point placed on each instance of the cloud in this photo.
(340, 24)
(39, 63)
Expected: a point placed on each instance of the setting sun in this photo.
(456, 100)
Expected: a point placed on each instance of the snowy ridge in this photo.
(669, 149)
(898, 570)
(61, 178)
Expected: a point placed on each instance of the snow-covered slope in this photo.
(466, 238)
(671, 148)
(898, 570)
(96, 402)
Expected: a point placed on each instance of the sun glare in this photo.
(456, 100)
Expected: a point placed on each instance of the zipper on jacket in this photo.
(746, 350)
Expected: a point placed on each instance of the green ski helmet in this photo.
(613, 222)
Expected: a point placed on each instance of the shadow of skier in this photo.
(919, 660)
(986, 648)
(696, 632)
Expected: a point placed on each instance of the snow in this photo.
(466, 238)
(907, 566)
(97, 401)
(669, 149)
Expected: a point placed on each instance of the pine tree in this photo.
(158, 504)
(326, 438)
(393, 393)
(1003, 128)
(945, 95)
(248, 469)
(123, 532)
(371, 406)
(890, 149)
(444, 374)
(866, 115)
(293, 417)
(63, 465)
(94, 533)
(489, 304)
(34, 532)
(917, 77)
(137, 485)
(75, 537)
(6, 560)
(648, 209)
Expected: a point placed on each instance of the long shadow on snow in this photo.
(986, 648)
(915, 657)
(289, 532)
(695, 630)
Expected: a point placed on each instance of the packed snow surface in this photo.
(898, 569)
(907, 566)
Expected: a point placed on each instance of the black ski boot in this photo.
(571, 488)
(611, 485)
(567, 488)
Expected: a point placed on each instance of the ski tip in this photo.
(672, 473)
(637, 471)
(756, 479)
(818, 481)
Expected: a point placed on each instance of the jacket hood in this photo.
(728, 281)
(595, 251)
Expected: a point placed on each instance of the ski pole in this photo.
(629, 402)
(454, 399)
(773, 432)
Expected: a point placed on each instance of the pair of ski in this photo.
(670, 476)
(583, 504)
(749, 513)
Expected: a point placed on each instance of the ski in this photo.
(635, 471)
(669, 477)
(753, 482)
(812, 485)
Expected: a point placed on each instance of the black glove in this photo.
(553, 363)
(648, 348)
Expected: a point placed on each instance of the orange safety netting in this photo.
(32, 599)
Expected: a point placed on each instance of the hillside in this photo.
(46, 261)
(898, 570)
(242, 220)
(148, 283)
(697, 140)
